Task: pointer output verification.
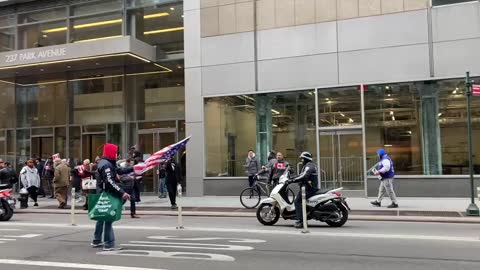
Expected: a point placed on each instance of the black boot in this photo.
(376, 203)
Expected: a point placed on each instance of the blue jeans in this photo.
(109, 240)
(163, 186)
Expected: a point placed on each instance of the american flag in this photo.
(160, 156)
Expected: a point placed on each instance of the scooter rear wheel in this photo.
(342, 220)
(266, 216)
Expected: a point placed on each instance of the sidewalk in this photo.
(411, 209)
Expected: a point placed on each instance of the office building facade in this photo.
(338, 78)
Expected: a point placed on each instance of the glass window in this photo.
(155, 95)
(7, 104)
(61, 141)
(23, 147)
(8, 20)
(95, 7)
(230, 126)
(43, 15)
(293, 124)
(142, 3)
(115, 135)
(42, 34)
(392, 122)
(96, 27)
(448, 2)
(97, 100)
(159, 25)
(41, 105)
(7, 39)
(11, 146)
(453, 127)
(75, 143)
(339, 107)
(3, 144)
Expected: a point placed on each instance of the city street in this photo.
(41, 241)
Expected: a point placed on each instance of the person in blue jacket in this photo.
(386, 174)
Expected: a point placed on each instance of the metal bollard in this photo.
(304, 211)
(179, 207)
(72, 208)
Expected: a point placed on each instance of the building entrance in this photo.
(92, 146)
(151, 141)
(42, 147)
(341, 159)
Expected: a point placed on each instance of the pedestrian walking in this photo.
(107, 171)
(40, 165)
(127, 182)
(173, 175)
(7, 174)
(49, 172)
(61, 181)
(252, 166)
(77, 181)
(162, 179)
(138, 183)
(86, 175)
(386, 174)
(30, 180)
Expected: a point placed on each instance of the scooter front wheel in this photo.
(267, 214)
(7, 212)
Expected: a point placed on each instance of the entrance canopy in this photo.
(45, 64)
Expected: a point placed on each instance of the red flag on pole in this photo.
(476, 89)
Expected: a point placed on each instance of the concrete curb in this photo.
(467, 220)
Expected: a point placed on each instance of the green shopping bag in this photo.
(104, 207)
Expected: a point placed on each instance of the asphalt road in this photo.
(44, 242)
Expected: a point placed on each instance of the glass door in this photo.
(341, 159)
(92, 146)
(151, 141)
(42, 147)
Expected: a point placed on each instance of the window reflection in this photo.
(160, 25)
(152, 95)
(7, 39)
(391, 122)
(97, 100)
(7, 104)
(96, 27)
(41, 104)
(339, 107)
(95, 7)
(42, 34)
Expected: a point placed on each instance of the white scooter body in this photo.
(276, 199)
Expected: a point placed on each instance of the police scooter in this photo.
(327, 206)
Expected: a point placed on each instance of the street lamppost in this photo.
(472, 209)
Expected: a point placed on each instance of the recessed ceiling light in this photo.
(69, 66)
(44, 35)
(172, 8)
(98, 64)
(42, 69)
(183, 16)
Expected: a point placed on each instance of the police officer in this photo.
(308, 178)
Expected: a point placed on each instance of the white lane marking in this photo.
(231, 240)
(266, 232)
(23, 236)
(9, 230)
(72, 265)
(171, 255)
(188, 245)
(6, 239)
